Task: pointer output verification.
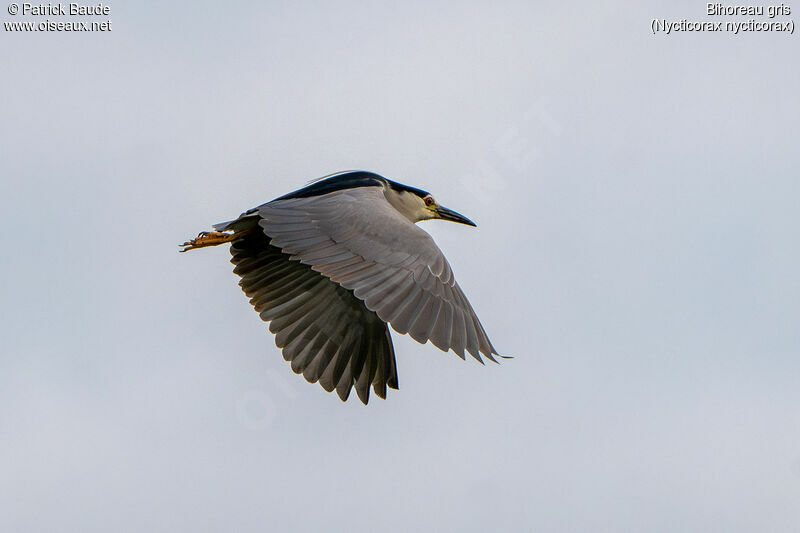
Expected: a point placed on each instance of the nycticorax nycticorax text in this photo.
(330, 265)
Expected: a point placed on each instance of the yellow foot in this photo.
(209, 238)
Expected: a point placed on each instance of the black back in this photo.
(349, 180)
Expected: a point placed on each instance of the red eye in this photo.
(429, 201)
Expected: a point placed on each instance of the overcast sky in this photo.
(636, 197)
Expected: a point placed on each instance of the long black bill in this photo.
(449, 214)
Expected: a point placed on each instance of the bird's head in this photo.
(417, 205)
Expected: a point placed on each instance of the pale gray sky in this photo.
(636, 251)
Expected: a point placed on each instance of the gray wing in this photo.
(327, 333)
(357, 239)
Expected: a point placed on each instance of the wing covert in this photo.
(357, 239)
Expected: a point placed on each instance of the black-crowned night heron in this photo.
(330, 265)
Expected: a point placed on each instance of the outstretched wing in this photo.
(357, 239)
(328, 334)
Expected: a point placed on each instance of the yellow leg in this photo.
(213, 238)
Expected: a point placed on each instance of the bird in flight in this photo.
(331, 265)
